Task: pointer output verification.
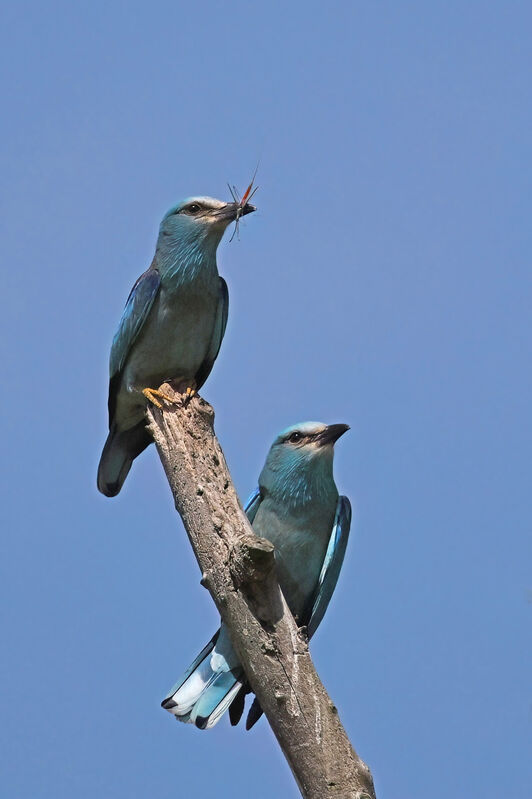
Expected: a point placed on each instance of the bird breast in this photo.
(175, 338)
(300, 541)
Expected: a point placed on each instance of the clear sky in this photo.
(384, 282)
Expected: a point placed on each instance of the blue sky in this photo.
(384, 282)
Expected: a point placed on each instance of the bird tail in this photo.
(208, 686)
(119, 452)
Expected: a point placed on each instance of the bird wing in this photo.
(220, 324)
(252, 505)
(137, 308)
(334, 557)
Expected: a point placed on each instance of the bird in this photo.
(297, 507)
(171, 328)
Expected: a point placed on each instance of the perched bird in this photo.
(171, 329)
(297, 507)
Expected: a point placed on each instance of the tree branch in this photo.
(238, 569)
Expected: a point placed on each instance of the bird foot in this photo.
(152, 394)
(189, 393)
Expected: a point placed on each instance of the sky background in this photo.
(383, 282)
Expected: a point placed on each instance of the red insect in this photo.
(246, 197)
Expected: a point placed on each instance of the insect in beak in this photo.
(242, 201)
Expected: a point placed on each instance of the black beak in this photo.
(230, 211)
(331, 434)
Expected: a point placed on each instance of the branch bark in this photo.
(238, 569)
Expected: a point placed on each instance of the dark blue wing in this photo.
(218, 332)
(334, 557)
(137, 308)
(252, 505)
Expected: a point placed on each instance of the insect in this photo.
(246, 197)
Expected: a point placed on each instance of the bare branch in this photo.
(238, 570)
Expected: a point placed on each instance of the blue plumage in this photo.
(330, 571)
(297, 507)
(171, 329)
(137, 308)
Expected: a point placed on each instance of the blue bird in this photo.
(297, 507)
(171, 329)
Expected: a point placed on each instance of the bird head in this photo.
(299, 463)
(200, 221)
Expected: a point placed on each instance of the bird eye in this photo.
(193, 208)
(295, 437)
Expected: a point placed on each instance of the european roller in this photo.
(171, 329)
(297, 507)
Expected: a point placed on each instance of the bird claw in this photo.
(189, 393)
(151, 395)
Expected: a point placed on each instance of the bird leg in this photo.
(152, 393)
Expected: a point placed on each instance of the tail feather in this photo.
(255, 712)
(214, 701)
(208, 686)
(119, 452)
(236, 707)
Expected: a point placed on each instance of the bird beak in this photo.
(231, 211)
(331, 434)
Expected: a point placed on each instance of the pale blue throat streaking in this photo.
(297, 507)
(171, 329)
